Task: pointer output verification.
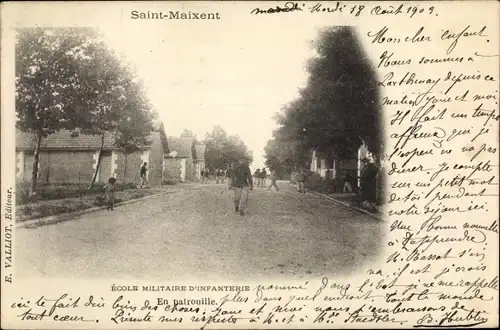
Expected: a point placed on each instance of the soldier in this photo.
(301, 178)
(257, 176)
(110, 193)
(207, 174)
(143, 172)
(241, 182)
(228, 176)
(217, 176)
(274, 177)
(263, 176)
(222, 175)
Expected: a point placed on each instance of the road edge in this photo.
(346, 205)
(53, 219)
(351, 207)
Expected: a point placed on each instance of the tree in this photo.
(136, 123)
(336, 111)
(214, 142)
(67, 78)
(222, 150)
(188, 134)
(114, 102)
(235, 149)
(341, 96)
(48, 82)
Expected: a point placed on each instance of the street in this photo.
(192, 231)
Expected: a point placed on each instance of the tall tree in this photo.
(48, 82)
(67, 78)
(135, 124)
(214, 141)
(337, 110)
(235, 149)
(188, 134)
(341, 96)
(222, 150)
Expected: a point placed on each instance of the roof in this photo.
(63, 140)
(181, 147)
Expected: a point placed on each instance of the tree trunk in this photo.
(99, 156)
(125, 169)
(36, 160)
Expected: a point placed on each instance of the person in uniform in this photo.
(263, 177)
(143, 172)
(301, 178)
(110, 193)
(274, 177)
(241, 183)
(228, 176)
(257, 177)
(207, 174)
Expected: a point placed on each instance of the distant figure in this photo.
(241, 182)
(219, 175)
(222, 175)
(144, 171)
(110, 193)
(202, 175)
(228, 176)
(301, 178)
(347, 184)
(274, 177)
(257, 176)
(263, 176)
(207, 174)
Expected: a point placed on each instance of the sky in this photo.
(210, 75)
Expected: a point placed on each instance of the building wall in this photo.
(314, 162)
(198, 166)
(128, 167)
(334, 167)
(58, 167)
(20, 166)
(70, 167)
(189, 169)
(44, 168)
(105, 167)
(28, 166)
(319, 165)
(155, 162)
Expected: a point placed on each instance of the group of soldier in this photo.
(260, 177)
(219, 174)
(241, 181)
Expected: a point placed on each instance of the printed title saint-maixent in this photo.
(189, 15)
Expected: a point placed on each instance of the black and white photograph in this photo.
(249, 165)
(162, 161)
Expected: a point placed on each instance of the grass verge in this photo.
(45, 208)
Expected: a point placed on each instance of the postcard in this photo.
(249, 165)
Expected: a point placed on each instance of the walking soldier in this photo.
(241, 182)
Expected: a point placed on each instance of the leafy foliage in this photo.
(67, 78)
(223, 150)
(188, 134)
(336, 111)
(48, 77)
